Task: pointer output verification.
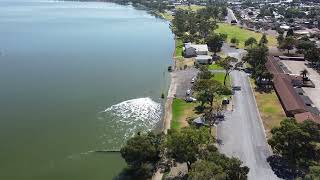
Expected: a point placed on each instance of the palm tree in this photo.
(304, 73)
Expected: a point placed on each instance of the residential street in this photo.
(231, 16)
(242, 133)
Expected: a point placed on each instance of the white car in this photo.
(190, 99)
(193, 79)
(188, 93)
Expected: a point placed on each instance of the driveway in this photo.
(242, 133)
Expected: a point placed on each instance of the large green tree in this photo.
(206, 170)
(263, 40)
(313, 55)
(141, 153)
(185, 145)
(288, 43)
(207, 90)
(215, 42)
(296, 142)
(250, 42)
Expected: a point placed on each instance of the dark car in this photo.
(236, 88)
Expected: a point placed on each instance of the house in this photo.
(192, 50)
(204, 59)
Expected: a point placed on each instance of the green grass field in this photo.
(181, 110)
(179, 48)
(192, 7)
(166, 16)
(215, 67)
(242, 34)
(219, 76)
(270, 109)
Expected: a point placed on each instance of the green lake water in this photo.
(76, 77)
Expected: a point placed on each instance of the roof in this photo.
(201, 57)
(291, 101)
(273, 66)
(307, 116)
(197, 47)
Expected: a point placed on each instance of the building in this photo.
(291, 96)
(203, 59)
(192, 50)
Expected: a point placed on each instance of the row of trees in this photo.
(191, 26)
(299, 145)
(303, 46)
(257, 58)
(194, 146)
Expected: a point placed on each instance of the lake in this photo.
(77, 77)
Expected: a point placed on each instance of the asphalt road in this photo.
(242, 133)
(231, 16)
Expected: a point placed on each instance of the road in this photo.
(231, 16)
(242, 133)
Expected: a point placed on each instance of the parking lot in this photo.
(183, 79)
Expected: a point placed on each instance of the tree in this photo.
(290, 33)
(288, 43)
(185, 145)
(141, 148)
(313, 55)
(226, 64)
(204, 73)
(206, 170)
(207, 89)
(141, 153)
(250, 42)
(234, 40)
(280, 38)
(263, 40)
(215, 42)
(304, 45)
(296, 142)
(304, 73)
(231, 166)
(314, 173)
(257, 57)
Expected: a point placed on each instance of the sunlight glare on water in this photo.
(129, 117)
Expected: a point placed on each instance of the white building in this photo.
(191, 50)
(204, 59)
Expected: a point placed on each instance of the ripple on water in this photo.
(125, 119)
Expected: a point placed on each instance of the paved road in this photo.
(242, 132)
(231, 16)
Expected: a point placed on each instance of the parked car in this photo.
(193, 79)
(236, 88)
(190, 99)
(188, 93)
(220, 115)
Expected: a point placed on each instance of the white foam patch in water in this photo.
(125, 119)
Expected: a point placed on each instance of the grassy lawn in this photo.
(193, 7)
(179, 48)
(166, 16)
(219, 76)
(242, 34)
(215, 67)
(270, 109)
(181, 110)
